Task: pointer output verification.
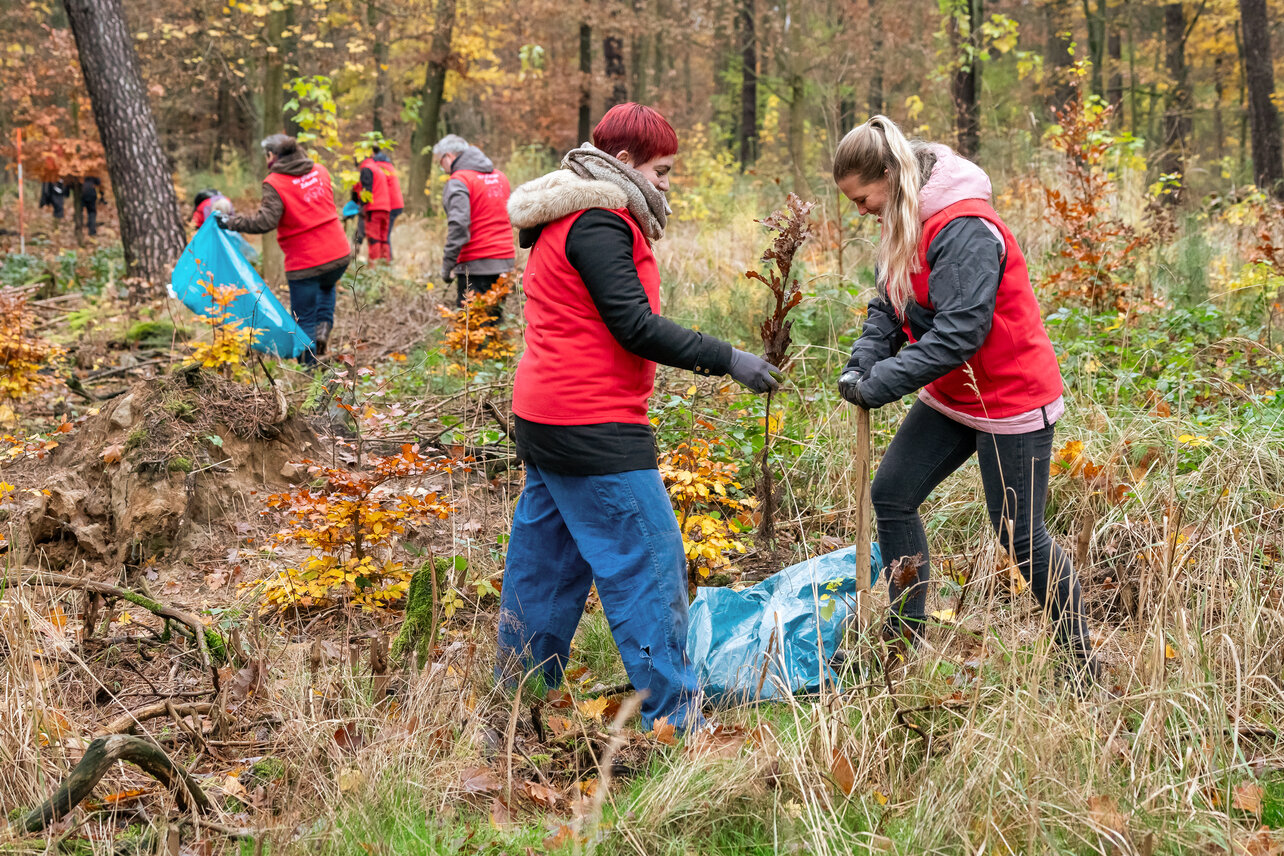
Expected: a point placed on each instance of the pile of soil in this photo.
(172, 457)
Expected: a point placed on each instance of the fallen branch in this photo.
(101, 756)
(208, 641)
(127, 722)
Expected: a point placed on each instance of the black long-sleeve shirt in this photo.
(600, 247)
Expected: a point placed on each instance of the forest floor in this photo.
(146, 593)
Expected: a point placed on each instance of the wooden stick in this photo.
(864, 517)
(100, 757)
(126, 723)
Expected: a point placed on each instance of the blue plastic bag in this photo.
(762, 642)
(212, 256)
(351, 209)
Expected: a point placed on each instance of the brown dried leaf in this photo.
(1247, 797)
(349, 737)
(541, 795)
(1105, 812)
(559, 725)
(843, 772)
(500, 815)
(560, 837)
(904, 571)
(113, 453)
(479, 780)
(716, 741)
(664, 732)
(247, 681)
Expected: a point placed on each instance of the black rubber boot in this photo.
(322, 337)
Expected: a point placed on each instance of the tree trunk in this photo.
(1057, 58)
(876, 98)
(379, 30)
(617, 84)
(1177, 112)
(967, 78)
(425, 134)
(150, 227)
(1096, 42)
(639, 50)
(1115, 89)
(749, 85)
(585, 128)
(273, 263)
(1259, 73)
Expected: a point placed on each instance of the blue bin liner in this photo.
(735, 637)
(212, 256)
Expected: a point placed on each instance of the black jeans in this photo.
(1014, 474)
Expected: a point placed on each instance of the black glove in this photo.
(849, 388)
(754, 372)
(220, 218)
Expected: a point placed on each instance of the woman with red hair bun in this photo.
(594, 510)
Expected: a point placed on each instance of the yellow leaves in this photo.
(593, 708)
(22, 354)
(1193, 440)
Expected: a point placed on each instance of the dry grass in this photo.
(979, 747)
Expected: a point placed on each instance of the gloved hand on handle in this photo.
(849, 387)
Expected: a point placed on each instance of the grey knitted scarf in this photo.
(647, 205)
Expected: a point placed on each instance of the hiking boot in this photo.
(322, 337)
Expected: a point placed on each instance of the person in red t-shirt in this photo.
(298, 202)
(956, 321)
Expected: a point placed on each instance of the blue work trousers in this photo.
(311, 303)
(619, 532)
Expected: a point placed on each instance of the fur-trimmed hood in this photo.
(558, 194)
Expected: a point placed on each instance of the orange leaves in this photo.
(1100, 251)
(1071, 462)
(352, 525)
(229, 341)
(22, 353)
(472, 331)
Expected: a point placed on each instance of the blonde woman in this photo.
(955, 320)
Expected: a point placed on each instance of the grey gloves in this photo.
(849, 387)
(754, 372)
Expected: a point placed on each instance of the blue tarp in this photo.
(213, 256)
(756, 643)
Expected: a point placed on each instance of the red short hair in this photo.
(638, 130)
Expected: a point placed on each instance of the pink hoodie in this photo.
(953, 179)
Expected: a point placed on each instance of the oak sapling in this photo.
(792, 227)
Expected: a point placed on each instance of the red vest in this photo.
(490, 235)
(1015, 370)
(379, 196)
(573, 371)
(309, 231)
(395, 199)
(202, 211)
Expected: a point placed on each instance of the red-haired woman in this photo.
(955, 320)
(594, 510)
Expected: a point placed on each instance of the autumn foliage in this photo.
(792, 228)
(704, 493)
(1099, 253)
(353, 525)
(472, 331)
(229, 340)
(22, 353)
